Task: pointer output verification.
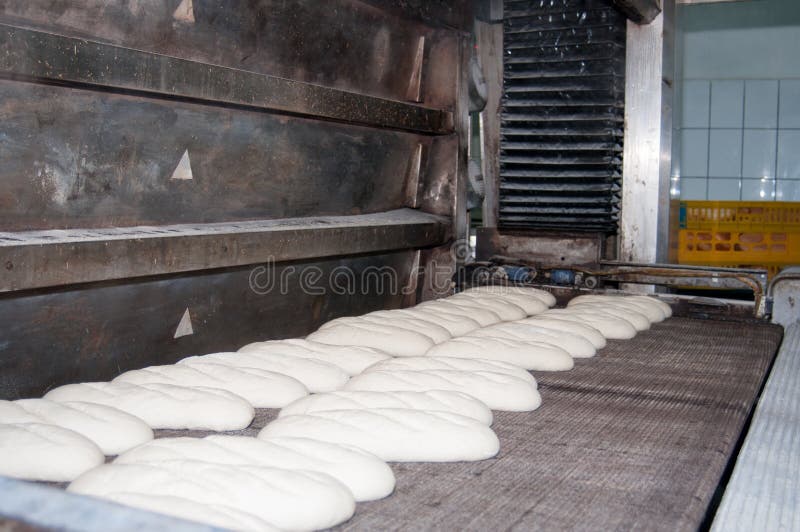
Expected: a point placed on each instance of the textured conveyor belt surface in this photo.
(764, 491)
(636, 437)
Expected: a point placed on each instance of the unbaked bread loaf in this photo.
(164, 406)
(538, 356)
(35, 451)
(367, 476)
(261, 388)
(495, 390)
(395, 435)
(290, 500)
(352, 359)
(432, 400)
(111, 429)
(316, 376)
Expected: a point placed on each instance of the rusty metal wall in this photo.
(219, 134)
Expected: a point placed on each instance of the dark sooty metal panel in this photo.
(95, 332)
(76, 158)
(562, 115)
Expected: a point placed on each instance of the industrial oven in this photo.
(180, 177)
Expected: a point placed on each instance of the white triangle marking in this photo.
(185, 326)
(184, 168)
(184, 12)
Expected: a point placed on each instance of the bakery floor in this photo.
(637, 437)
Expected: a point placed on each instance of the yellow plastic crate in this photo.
(740, 215)
(738, 248)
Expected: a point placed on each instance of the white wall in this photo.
(738, 121)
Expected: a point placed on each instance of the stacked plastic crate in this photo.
(739, 234)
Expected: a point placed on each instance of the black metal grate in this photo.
(562, 115)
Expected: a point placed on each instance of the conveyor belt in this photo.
(637, 437)
(764, 491)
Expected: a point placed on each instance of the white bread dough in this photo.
(397, 435)
(316, 376)
(532, 305)
(352, 359)
(393, 340)
(164, 406)
(506, 310)
(34, 451)
(654, 301)
(610, 326)
(540, 356)
(216, 515)
(495, 390)
(435, 332)
(579, 329)
(576, 346)
(636, 318)
(654, 310)
(432, 400)
(260, 388)
(483, 316)
(543, 295)
(112, 430)
(654, 313)
(290, 500)
(455, 325)
(366, 476)
(427, 363)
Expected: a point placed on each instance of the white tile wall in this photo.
(739, 140)
(725, 153)
(758, 189)
(696, 102)
(727, 103)
(788, 190)
(723, 189)
(761, 104)
(694, 152)
(759, 156)
(789, 104)
(788, 154)
(694, 188)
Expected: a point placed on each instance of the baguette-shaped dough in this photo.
(435, 332)
(654, 300)
(650, 308)
(433, 400)
(495, 390)
(35, 451)
(260, 388)
(316, 376)
(290, 500)
(505, 309)
(112, 430)
(164, 406)
(483, 316)
(366, 476)
(635, 318)
(394, 340)
(217, 515)
(539, 356)
(532, 305)
(576, 346)
(428, 363)
(455, 325)
(397, 435)
(352, 359)
(611, 326)
(579, 329)
(546, 297)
